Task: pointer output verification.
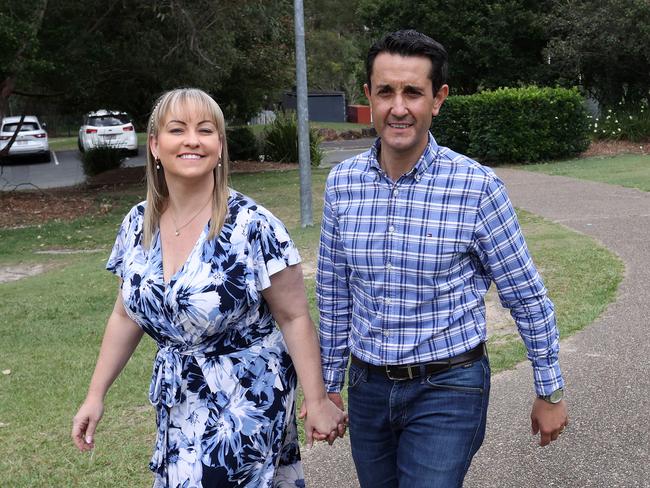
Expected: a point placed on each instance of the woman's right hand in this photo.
(85, 423)
(324, 420)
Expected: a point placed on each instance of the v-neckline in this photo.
(200, 239)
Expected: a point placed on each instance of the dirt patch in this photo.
(30, 207)
(25, 208)
(124, 176)
(17, 272)
(613, 148)
(498, 319)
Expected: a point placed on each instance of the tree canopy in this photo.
(115, 54)
(72, 57)
(600, 46)
(490, 43)
(604, 46)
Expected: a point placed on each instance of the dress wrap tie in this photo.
(165, 387)
(166, 380)
(164, 393)
(166, 377)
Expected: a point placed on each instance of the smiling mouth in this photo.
(190, 156)
(400, 125)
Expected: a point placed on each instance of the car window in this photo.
(108, 120)
(25, 127)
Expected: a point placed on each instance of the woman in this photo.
(205, 271)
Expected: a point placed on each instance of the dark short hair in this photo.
(412, 43)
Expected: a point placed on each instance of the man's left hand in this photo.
(549, 420)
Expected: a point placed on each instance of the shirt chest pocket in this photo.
(431, 255)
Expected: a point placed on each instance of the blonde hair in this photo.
(157, 191)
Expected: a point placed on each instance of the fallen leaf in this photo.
(6, 371)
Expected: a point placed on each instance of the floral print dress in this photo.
(223, 384)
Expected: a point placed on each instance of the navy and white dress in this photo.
(223, 384)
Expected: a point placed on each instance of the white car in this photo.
(30, 141)
(108, 128)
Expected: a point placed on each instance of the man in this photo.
(412, 236)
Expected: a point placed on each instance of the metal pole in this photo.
(306, 218)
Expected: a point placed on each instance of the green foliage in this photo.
(242, 144)
(336, 45)
(603, 46)
(101, 158)
(491, 43)
(632, 124)
(281, 140)
(241, 52)
(527, 124)
(514, 125)
(451, 126)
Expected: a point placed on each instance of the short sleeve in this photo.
(127, 235)
(272, 247)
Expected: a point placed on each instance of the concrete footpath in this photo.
(607, 365)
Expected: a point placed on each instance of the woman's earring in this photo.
(157, 163)
(219, 163)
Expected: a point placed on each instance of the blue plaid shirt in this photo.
(404, 266)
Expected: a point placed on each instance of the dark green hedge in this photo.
(451, 126)
(101, 158)
(515, 125)
(242, 144)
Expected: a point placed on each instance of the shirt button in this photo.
(389, 265)
(387, 300)
(395, 193)
(391, 229)
(386, 334)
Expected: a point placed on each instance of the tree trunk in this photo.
(7, 87)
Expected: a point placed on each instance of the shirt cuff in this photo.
(334, 379)
(548, 378)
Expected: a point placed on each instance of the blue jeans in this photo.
(419, 433)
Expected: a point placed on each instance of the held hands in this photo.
(85, 423)
(549, 420)
(324, 419)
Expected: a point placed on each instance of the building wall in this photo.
(322, 106)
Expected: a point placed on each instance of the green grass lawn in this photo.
(62, 143)
(631, 170)
(52, 325)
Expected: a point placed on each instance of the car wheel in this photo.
(134, 152)
(80, 145)
(47, 157)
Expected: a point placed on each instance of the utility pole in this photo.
(306, 217)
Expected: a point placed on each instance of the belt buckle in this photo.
(408, 368)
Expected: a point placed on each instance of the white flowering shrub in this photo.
(630, 123)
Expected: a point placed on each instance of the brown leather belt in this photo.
(410, 371)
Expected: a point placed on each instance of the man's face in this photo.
(403, 103)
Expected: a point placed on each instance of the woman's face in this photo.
(188, 143)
